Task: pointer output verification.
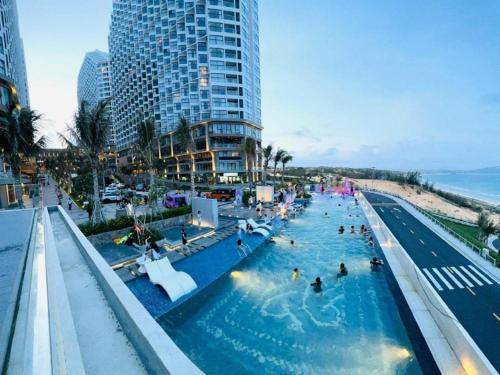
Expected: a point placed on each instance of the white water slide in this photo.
(175, 283)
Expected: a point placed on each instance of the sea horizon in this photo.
(483, 186)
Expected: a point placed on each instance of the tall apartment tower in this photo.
(196, 59)
(94, 80)
(12, 62)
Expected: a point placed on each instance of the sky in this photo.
(385, 84)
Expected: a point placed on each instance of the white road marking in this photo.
(470, 290)
(459, 284)
(432, 279)
(480, 275)
(445, 282)
(462, 277)
(471, 276)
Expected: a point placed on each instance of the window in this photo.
(218, 90)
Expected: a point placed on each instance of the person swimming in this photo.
(341, 229)
(292, 242)
(370, 241)
(375, 262)
(342, 270)
(295, 274)
(326, 214)
(317, 285)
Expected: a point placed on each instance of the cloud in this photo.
(303, 132)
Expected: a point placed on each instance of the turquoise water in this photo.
(483, 186)
(257, 320)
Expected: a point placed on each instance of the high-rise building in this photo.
(195, 59)
(12, 62)
(94, 80)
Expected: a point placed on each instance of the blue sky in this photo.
(386, 84)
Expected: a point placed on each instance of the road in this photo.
(470, 293)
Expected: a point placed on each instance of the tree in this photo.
(276, 160)
(146, 134)
(267, 154)
(89, 134)
(485, 225)
(19, 139)
(186, 141)
(249, 148)
(287, 158)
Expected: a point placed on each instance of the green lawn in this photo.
(469, 233)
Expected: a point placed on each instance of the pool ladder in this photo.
(245, 249)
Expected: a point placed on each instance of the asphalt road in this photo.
(471, 294)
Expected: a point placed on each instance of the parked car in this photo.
(110, 197)
(222, 194)
(111, 190)
(174, 200)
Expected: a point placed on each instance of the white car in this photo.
(110, 197)
(111, 190)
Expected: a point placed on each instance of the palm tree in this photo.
(185, 138)
(276, 160)
(90, 134)
(19, 132)
(267, 154)
(485, 225)
(146, 133)
(249, 148)
(287, 158)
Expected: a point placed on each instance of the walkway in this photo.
(471, 294)
(49, 198)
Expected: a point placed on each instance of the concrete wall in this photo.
(209, 212)
(468, 353)
(158, 352)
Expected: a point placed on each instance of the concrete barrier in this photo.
(471, 358)
(158, 352)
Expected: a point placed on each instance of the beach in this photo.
(426, 200)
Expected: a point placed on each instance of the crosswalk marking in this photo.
(471, 275)
(445, 282)
(462, 277)
(459, 284)
(480, 275)
(432, 279)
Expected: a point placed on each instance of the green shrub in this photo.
(88, 229)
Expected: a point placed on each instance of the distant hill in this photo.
(492, 170)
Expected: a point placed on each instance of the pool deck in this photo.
(470, 291)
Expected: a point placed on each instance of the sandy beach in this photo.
(425, 200)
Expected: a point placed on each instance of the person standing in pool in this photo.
(342, 270)
(352, 229)
(184, 237)
(317, 285)
(341, 229)
(295, 274)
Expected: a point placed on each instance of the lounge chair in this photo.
(256, 225)
(262, 231)
(175, 283)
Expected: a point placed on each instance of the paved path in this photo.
(471, 294)
(49, 198)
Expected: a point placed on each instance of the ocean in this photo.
(484, 186)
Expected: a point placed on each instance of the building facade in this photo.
(12, 62)
(94, 81)
(194, 59)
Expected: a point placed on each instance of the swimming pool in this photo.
(257, 320)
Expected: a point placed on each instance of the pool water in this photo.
(256, 320)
